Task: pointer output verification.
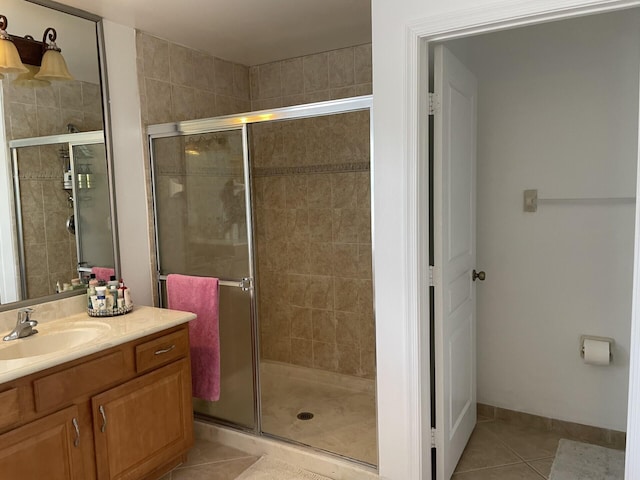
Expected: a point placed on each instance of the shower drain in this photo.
(305, 416)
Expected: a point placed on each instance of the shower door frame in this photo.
(237, 122)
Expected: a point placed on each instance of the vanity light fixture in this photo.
(53, 66)
(10, 61)
(16, 51)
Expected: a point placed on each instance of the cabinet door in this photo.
(46, 448)
(143, 424)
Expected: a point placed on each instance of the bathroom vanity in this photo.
(115, 406)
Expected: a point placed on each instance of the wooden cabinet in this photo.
(131, 405)
(46, 448)
(134, 432)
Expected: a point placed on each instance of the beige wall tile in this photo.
(203, 72)
(324, 326)
(270, 83)
(182, 103)
(348, 328)
(301, 352)
(342, 92)
(49, 121)
(241, 87)
(346, 291)
(362, 62)
(320, 258)
(301, 324)
(345, 225)
(155, 55)
(48, 97)
(325, 356)
(316, 72)
(348, 359)
(343, 190)
(298, 257)
(205, 104)
(319, 193)
(158, 101)
(24, 120)
(292, 77)
(341, 67)
(319, 292)
(223, 77)
(181, 65)
(321, 224)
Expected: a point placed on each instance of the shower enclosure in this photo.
(276, 204)
(62, 209)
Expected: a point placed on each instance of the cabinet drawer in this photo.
(9, 408)
(61, 388)
(162, 350)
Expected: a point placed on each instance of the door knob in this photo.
(479, 275)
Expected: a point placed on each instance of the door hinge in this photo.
(432, 276)
(433, 438)
(434, 103)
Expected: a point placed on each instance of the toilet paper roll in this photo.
(596, 352)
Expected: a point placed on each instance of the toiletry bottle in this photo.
(127, 296)
(102, 300)
(121, 295)
(113, 291)
(91, 291)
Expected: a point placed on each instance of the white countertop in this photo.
(113, 331)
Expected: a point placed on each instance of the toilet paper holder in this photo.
(611, 342)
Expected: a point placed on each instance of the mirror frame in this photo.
(106, 116)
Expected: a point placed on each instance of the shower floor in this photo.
(343, 408)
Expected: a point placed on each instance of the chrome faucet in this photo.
(24, 325)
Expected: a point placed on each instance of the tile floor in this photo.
(503, 451)
(210, 460)
(344, 410)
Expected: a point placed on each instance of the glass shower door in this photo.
(202, 212)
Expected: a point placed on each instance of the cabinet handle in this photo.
(164, 350)
(76, 442)
(104, 418)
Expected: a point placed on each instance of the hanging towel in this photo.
(103, 273)
(199, 295)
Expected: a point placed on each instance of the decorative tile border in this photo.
(311, 169)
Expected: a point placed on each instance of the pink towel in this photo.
(199, 295)
(103, 273)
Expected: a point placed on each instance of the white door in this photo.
(455, 255)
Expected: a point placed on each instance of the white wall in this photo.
(557, 111)
(395, 141)
(128, 160)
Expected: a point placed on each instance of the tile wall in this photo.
(313, 215)
(50, 250)
(311, 189)
(314, 78)
(177, 83)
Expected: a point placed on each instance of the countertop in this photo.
(113, 331)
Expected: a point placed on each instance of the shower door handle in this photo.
(246, 284)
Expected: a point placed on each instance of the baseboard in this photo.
(574, 431)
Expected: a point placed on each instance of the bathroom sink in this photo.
(47, 342)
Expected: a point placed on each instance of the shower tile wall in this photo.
(50, 251)
(314, 78)
(312, 210)
(177, 83)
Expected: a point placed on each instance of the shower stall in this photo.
(276, 204)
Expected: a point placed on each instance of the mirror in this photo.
(56, 220)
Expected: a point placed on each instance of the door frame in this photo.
(418, 35)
